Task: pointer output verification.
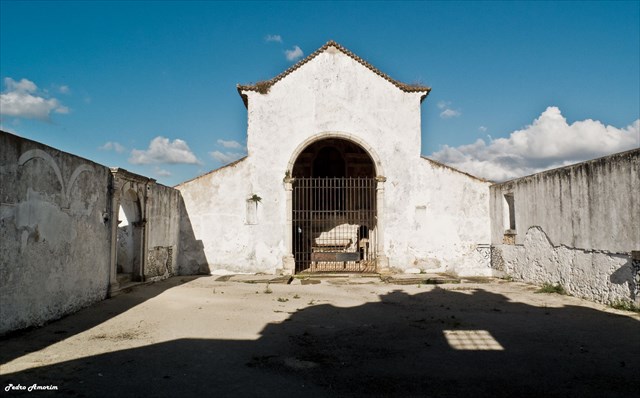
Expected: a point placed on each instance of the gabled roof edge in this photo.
(263, 87)
(446, 166)
(235, 162)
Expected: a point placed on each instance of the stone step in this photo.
(336, 275)
(272, 279)
(422, 279)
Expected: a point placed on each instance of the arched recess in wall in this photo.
(324, 137)
(129, 235)
(334, 206)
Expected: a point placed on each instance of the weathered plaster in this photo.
(576, 225)
(216, 204)
(57, 224)
(590, 205)
(148, 241)
(438, 221)
(49, 199)
(595, 275)
(163, 242)
(333, 95)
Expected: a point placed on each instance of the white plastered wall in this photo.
(333, 95)
(576, 226)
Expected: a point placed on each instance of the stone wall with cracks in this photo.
(578, 226)
(595, 275)
(54, 233)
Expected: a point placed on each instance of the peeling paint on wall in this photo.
(49, 199)
(595, 275)
(576, 225)
(55, 232)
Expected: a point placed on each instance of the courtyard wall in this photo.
(163, 244)
(56, 220)
(576, 226)
(54, 233)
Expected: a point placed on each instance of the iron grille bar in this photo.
(334, 222)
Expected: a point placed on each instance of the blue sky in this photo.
(542, 84)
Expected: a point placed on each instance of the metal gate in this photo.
(334, 224)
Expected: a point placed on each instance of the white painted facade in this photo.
(431, 217)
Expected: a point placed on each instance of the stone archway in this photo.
(129, 236)
(334, 207)
(130, 194)
(368, 149)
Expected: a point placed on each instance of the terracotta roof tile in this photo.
(264, 86)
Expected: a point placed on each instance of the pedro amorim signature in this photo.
(33, 387)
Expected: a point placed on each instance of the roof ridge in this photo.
(263, 86)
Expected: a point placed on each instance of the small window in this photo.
(510, 212)
(252, 212)
(420, 218)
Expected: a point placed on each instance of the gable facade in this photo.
(428, 216)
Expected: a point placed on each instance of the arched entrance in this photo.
(129, 237)
(334, 208)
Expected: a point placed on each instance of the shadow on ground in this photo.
(396, 347)
(78, 322)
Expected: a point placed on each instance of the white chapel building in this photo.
(334, 181)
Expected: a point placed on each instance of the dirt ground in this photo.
(341, 337)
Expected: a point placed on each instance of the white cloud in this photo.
(294, 53)
(447, 111)
(162, 150)
(23, 86)
(230, 144)
(112, 146)
(276, 38)
(64, 89)
(226, 157)
(162, 172)
(547, 143)
(482, 128)
(22, 100)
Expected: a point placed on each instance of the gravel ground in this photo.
(346, 337)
